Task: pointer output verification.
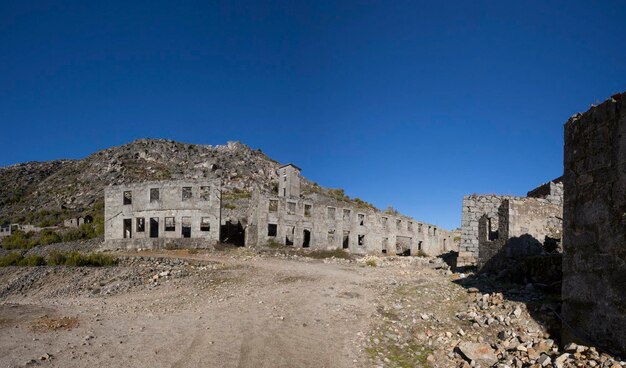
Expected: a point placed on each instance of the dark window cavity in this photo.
(154, 194)
(128, 197)
(272, 229)
(141, 224)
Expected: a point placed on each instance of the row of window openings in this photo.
(155, 194)
(291, 210)
(170, 226)
(272, 230)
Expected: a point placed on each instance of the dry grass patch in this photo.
(47, 323)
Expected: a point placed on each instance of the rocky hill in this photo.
(44, 193)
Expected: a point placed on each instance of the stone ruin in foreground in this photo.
(575, 225)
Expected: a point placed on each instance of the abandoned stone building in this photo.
(594, 244)
(154, 214)
(492, 220)
(316, 220)
(77, 221)
(189, 213)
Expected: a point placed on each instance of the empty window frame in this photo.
(205, 224)
(170, 224)
(419, 245)
(361, 218)
(141, 224)
(185, 227)
(291, 208)
(361, 240)
(186, 194)
(331, 213)
(154, 194)
(307, 210)
(272, 229)
(384, 245)
(419, 228)
(409, 226)
(398, 223)
(346, 215)
(383, 220)
(434, 231)
(273, 206)
(205, 193)
(128, 197)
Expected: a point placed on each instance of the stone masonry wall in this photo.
(594, 243)
(474, 207)
(327, 221)
(526, 227)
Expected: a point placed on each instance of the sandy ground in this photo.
(251, 312)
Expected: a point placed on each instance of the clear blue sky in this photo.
(398, 102)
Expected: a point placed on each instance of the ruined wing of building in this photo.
(188, 213)
(517, 225)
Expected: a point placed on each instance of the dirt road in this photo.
(251, 312)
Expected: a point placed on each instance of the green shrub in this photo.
(272, 243)
(371, 262)
(32, 260)
(11, 259)
(91, 260)
(336, 253)
(48, 236)
(18, 240)
(56, 258)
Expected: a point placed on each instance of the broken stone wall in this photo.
(594, 244)
(476, 207)
(527, 227)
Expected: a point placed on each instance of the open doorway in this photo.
(346, 239)
(306, 235)
(128, 228)
(186, 227)
(233, 233)
(154, 227)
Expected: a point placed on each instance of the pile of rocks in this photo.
(519, 341)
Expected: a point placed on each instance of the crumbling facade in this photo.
(160, 214)
(318, 221)
(594, 244)
(526, 227)
(487, 207)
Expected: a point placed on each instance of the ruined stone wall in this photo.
(198, 209)
(527, 227)
(329, 220)
(474, 208)
(552, 191)
(594, 243)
